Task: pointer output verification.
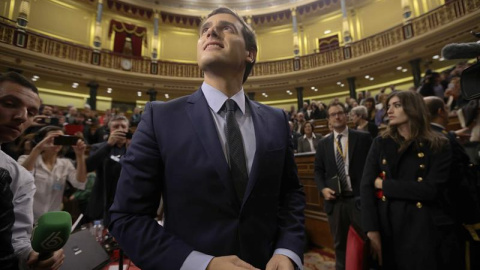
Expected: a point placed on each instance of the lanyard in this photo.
(339, 149)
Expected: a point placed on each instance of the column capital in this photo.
(294, 11)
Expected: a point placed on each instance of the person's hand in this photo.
(279, 262)
(46, 143)
(378, 183)
(328, 194)
(116, 137)
(229, 262)
(376, 245)
(52, 263)
(79, 148)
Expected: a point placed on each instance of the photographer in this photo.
(50, 171)
(105, 160)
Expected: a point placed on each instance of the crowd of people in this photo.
(228, 180)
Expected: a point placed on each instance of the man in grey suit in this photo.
(339, 163)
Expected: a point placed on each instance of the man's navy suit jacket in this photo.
(176, 153)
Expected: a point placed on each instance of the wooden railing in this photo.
(316, 223)
(421, 25)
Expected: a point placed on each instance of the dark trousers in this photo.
(343, 214)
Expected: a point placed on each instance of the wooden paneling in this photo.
(316, 223)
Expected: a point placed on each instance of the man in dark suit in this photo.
(104, 159)
(225, 207)
(339, 165)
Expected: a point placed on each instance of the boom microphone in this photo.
(50, 233)
(461, 51)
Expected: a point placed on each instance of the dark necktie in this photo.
(342, 176)
(236, 153)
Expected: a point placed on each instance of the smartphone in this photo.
(128, 135)
(65, 140)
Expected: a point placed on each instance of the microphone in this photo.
(50, 233)
(461, 51)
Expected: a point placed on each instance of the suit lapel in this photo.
(330, 153)
(258, 124)
(352, 142)
(202, 121)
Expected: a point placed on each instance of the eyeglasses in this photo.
(336, 114)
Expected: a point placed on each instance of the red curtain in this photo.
(122, 30)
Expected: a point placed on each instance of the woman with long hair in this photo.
(403, 207)
(51, 171)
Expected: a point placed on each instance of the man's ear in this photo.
(251, 56)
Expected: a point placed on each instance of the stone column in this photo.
(296, 46)
(416, 71)
(406, 11)
(156, 18)
(351, 87)
(97, 39)
(92, 101)
(152, 93)
(347, 37)
(299, 97)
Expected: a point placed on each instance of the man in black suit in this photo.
(339, 163)
(104, 159)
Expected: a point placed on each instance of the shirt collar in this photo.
(438, 125)
(313, 136)
(216, 99)
(344, 133)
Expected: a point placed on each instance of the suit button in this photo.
(384, 161)
(384, 198)
(419, 205)
(421, 144)
(421, 155)
(422, 166)
(419, 179)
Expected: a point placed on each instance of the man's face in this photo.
(47, 110)
(118, 125)
(18, 106)
(300, 117)
(221, 44)
(337, 117)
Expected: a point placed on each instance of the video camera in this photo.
(470, 78)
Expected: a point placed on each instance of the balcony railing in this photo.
(60, 49)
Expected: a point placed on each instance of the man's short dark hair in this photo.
(434, 103)
(119, 118)
(247, 32)
(335, 103)
(17, 78)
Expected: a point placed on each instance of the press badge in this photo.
(57, 186)
(115, 158)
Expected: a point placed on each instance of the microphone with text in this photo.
(50, 233)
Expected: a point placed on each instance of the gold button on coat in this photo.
(384, 198)
(419, 205)
(384, 161)
(422, 166)
(421, 155)
(419, 179)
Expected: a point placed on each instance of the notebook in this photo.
(83, 252)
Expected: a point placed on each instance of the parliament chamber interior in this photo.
(95, 60)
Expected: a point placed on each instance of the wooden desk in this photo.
(316, 223)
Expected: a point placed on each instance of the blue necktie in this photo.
(236, 152)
